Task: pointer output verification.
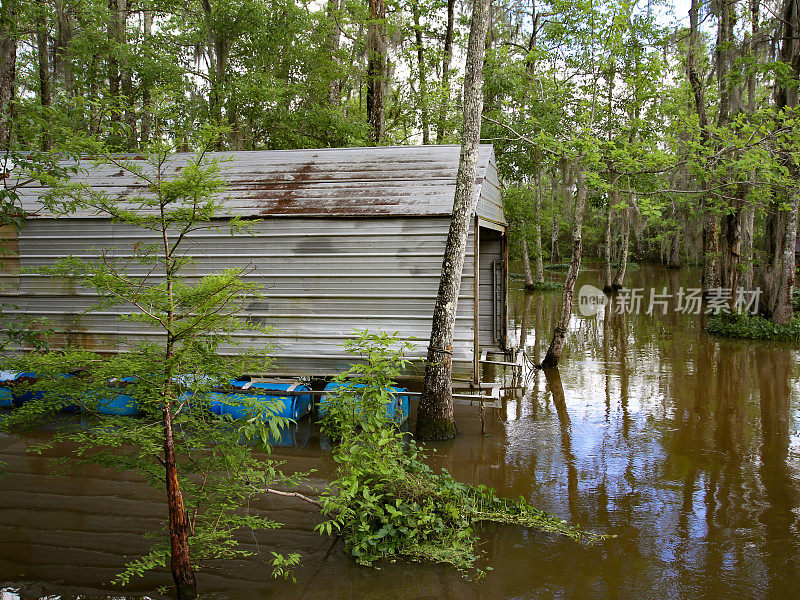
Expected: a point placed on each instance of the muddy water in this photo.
(685, 447)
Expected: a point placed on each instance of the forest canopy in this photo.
(683, 119)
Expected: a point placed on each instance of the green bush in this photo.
(386, 503)
(754, 327)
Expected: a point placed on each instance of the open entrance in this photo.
(492, 278)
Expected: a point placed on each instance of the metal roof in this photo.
(347, 182)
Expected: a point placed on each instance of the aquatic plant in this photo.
(387, 503)
(544, 286)
(540, 286)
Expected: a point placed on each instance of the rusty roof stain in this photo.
(364, 181)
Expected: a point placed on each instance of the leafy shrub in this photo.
(366, 388)
(386, 503)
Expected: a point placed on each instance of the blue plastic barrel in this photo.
(292, 435)
(118, 404)
(20, 396)
(238, 405)
(6, 395)
(396, 409)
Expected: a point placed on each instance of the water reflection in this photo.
(684, 446)
(682, 443)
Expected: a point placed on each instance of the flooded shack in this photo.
(341, 239)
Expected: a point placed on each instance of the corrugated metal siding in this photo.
(322, 278)
(401, 180)
(490, 202)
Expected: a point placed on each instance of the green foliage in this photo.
(282, 566)
(174, 378)
(387, 504)
(365, 389)
(754, 327)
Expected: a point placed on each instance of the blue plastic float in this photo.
(396, 409)
(292, 435)
(118, 404)
(20, 396)
(6, 395)
(239, 406)
(11, 396)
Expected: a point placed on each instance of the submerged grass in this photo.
(557, 266)
(544, 286)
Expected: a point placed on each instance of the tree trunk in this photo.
(447, 56)
(8, 71)
(423, 76)
(730, 265)
(220, 81)
(130, 108)
(377, 70)
(556, 348)
(116, 37)
(554, 254)
(526, 259)
(781, 225)
(217, 51)
(729, 105)
(619, 276)
(748, 223)
(674, 260)
(147, 108)
(610, 202)
(335, 86)
(180, 564)
(723, 51)
(43, 56)
(62, 54)
(537, 228)
(435, 410)
(710, 277)
(783, 310)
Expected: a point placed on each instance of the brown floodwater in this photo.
(683, 446)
